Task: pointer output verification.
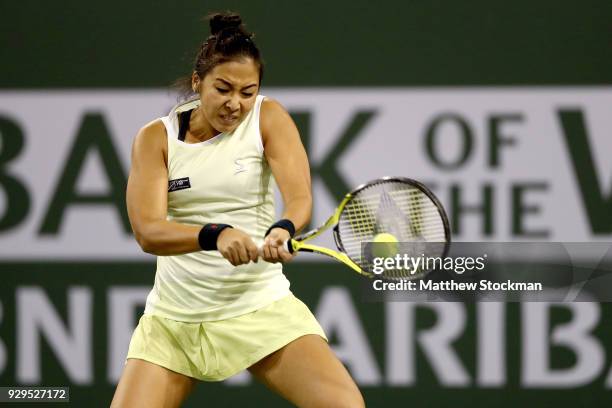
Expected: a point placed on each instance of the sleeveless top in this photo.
(225, 179)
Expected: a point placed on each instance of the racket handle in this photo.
(286, 245)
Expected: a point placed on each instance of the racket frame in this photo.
(299, 243)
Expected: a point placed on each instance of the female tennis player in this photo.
(200, 196)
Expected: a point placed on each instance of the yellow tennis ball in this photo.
(385, 245)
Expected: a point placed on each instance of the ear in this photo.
(195, 82)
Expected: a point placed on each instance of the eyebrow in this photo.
(230, 85)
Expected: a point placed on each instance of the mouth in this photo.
(229, 119)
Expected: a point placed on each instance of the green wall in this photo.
(311, 43)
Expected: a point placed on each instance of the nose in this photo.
(233, 103)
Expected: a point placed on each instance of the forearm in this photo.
(168, 238)
(287, 158)
(299, 210)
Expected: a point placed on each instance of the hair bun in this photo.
(224, 21)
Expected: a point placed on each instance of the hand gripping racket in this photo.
(390, 206)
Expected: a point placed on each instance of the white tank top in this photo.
(227, 180)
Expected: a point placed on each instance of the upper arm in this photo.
(147, 188)
(284, 151)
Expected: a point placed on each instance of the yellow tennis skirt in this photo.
(214, 351)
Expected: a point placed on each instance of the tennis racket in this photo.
(398, 207)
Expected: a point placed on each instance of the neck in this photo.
(199, 128)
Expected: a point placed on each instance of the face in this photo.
(228, 92)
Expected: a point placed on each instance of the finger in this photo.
(236, 256)
(253, 252)
(267, 253)
(282, 253)
(243, 255)
(274, 254)
(285, 256)
(229, 255)
(272, 240)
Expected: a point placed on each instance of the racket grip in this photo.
(288, 246)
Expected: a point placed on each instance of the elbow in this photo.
(148, 247)
(146, 242)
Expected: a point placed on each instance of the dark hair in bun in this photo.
(229, 40)
(219, 22)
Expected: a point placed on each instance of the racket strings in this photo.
(420, 216)
(389, 218)
(395, 208)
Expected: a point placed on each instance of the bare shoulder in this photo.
(153, 132)
(270, 106)
(151, 139)
(273, 117)
(272, 111)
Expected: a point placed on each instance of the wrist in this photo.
(285, 224)
(208, 235)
